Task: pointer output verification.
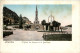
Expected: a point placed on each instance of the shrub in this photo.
(7, 33)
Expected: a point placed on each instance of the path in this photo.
(23, 35)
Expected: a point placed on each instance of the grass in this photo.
(58, 37)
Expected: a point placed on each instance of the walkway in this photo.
(23, 35)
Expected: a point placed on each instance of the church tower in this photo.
(36, 16)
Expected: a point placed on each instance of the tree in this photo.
(56, 24)
(59, 25)
(20, 22)
(43, 23)
(61, 28)
(47, 25)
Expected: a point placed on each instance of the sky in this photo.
(61, 12)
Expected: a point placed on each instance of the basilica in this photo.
(36, 25)
(52, 25)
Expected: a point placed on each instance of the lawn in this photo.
(58, 37)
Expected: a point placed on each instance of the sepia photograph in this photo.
(37, 22)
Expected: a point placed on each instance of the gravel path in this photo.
(23, 35)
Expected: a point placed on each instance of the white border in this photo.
(51, 47)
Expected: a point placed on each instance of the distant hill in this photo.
(69, 25)
(9, 16)
(26, 20)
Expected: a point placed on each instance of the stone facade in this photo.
(36, 27)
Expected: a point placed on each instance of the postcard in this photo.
(49, 26)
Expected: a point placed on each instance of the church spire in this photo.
(36, 16)
(36, 7)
